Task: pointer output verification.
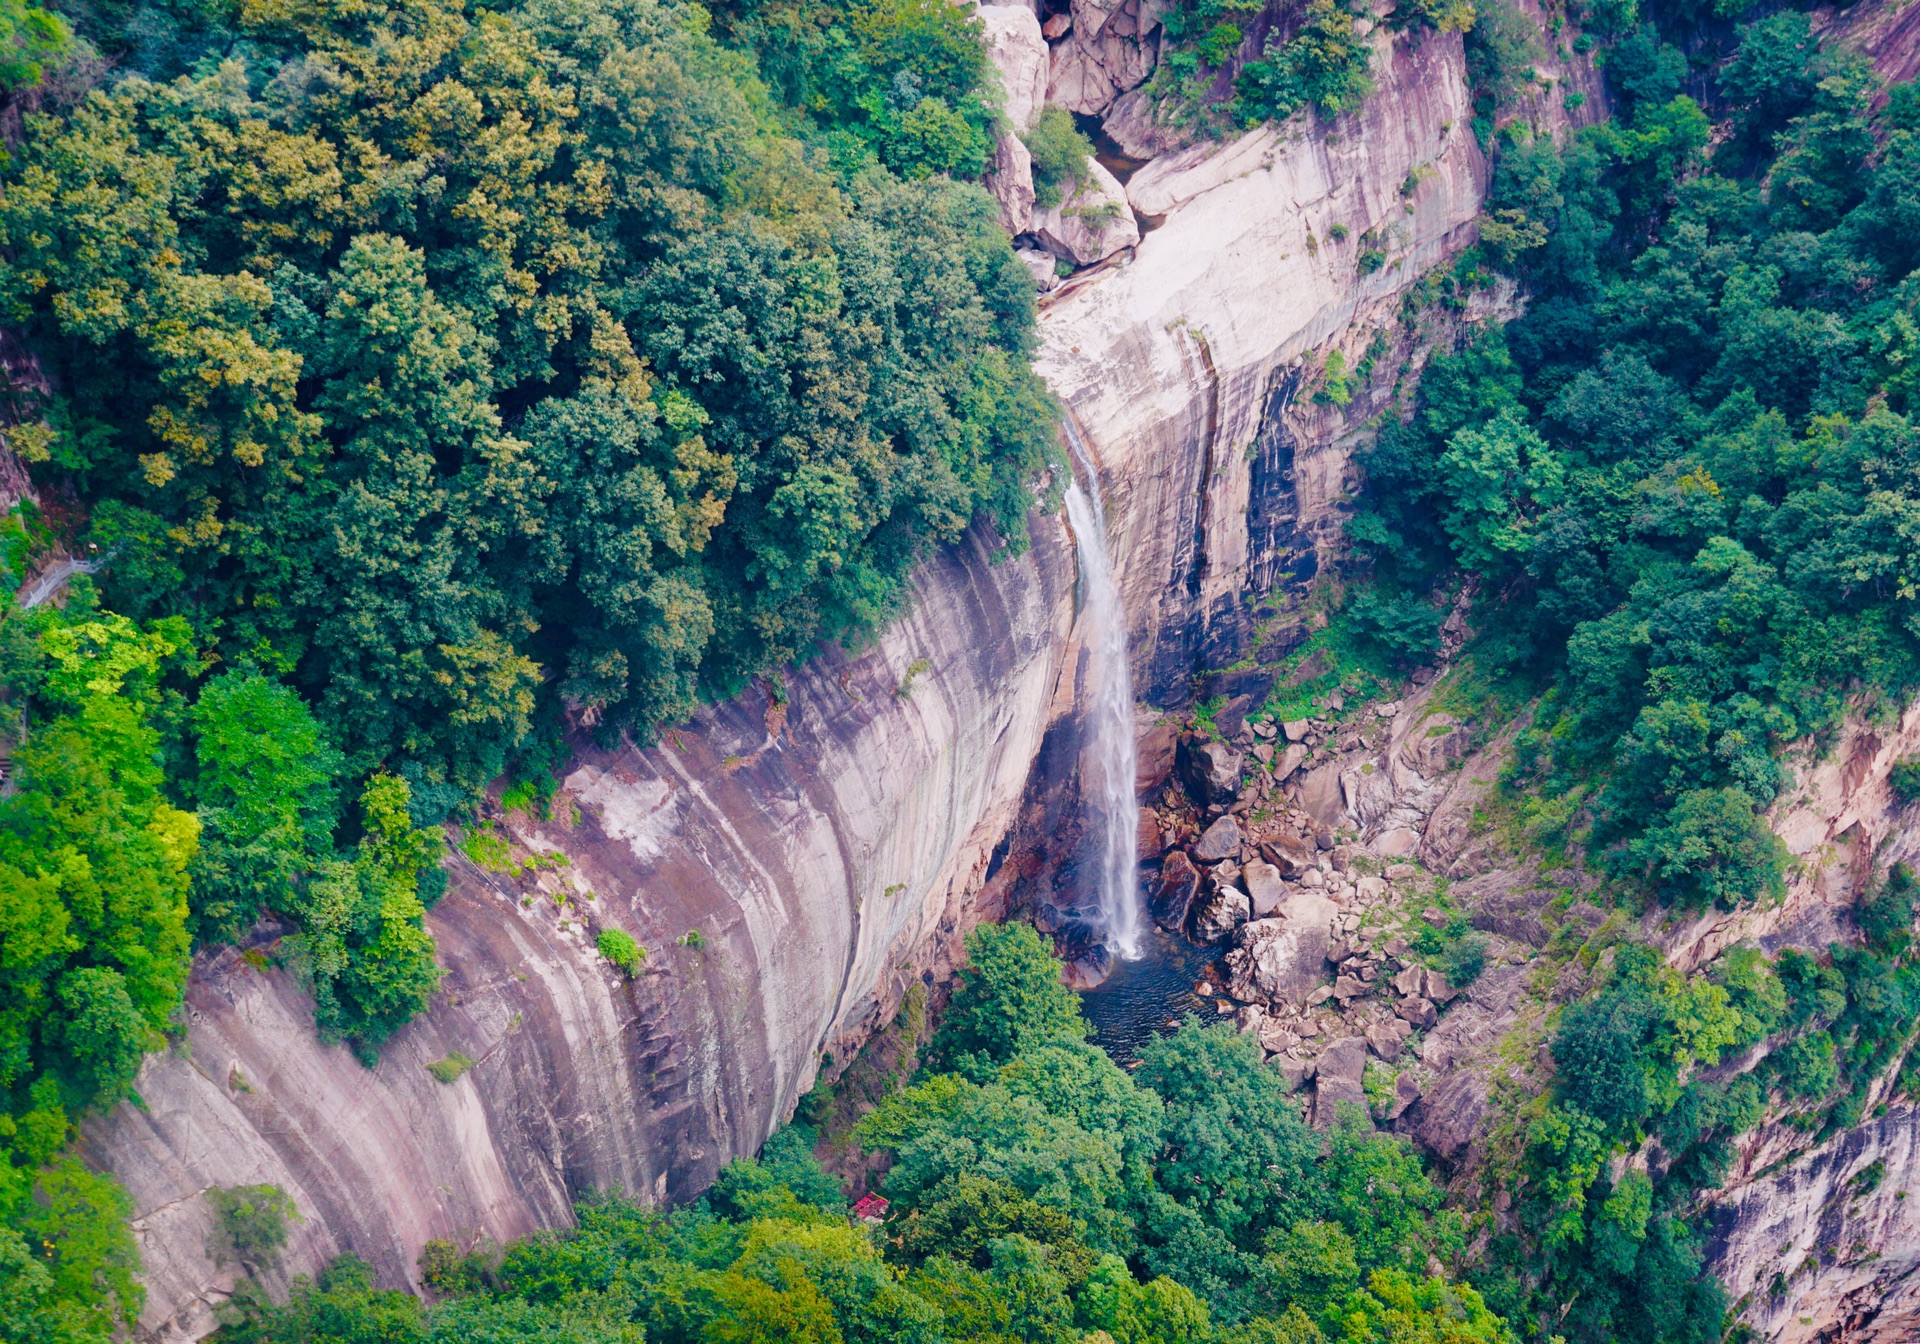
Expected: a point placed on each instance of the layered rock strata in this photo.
(1182, 362)
(787, 865)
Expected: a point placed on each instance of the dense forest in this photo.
(1040, 1194)
(430, 375)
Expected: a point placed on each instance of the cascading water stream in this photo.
(1107, 759)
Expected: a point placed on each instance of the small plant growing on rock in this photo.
(618, 947)
(1904, 779)
(693, 938)
(250, 1222)
(450, 1069)
(914, 669)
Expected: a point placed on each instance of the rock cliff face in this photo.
(1181, 361)
(827, 849)
(824, 850)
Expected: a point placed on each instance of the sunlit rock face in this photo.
(788, 868)
(1182, 364)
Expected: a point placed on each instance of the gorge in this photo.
(1049, 731)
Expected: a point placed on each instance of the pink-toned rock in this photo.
(1093, 223)
(1011, 182)
(1018, 50)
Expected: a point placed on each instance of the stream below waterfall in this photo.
(1147, 997)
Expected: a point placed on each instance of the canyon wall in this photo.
(1180, 362)
(786, 866)
(790, 866)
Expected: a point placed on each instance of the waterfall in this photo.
(1107, 757)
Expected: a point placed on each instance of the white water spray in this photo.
(1107, 759)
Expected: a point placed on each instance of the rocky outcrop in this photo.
(1091, 224)
(1019, 56)
(1110, 47)
(788, 867)
(1182, 366)
(1829, 1247)
(1011, 182)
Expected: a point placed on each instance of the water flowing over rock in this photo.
(1108, 764)
(1181, 366)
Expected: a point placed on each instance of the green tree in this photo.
(1009, 999)
(267, 801)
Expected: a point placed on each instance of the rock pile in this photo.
(1314, 927)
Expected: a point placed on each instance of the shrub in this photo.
(451, 1068)
(1598, 1053)
(618, 947)
(1904, 779)
(1060, 156)
(1885, 914)
(250, 1221)
(1463, 962)
(1805, 1066)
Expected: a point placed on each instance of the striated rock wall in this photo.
(1829, 1247)
(826, 851)
(1180, 362)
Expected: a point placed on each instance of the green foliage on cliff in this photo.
(451, 362)
(1230, 64)
(1047, 1197)
(1689, 472)
(423, 368)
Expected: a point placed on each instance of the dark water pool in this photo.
(1138, 1000)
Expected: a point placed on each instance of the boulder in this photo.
(1018, 50)
(1264, 888)
(1154, 755)
(1170, 894)
(1283, 958)
(1297, 1072)
(1109, 49)
(1406, 1091)
(1320, 794)
(1150, 840)
(1093, 223)
(1396, 842)
(1336, 1079)
(1451, 1113)
(1295, 729)
(1388, 1038)
(1221, 913)
(1011, 182)
(1434, 986)
(1275, 1037)
(1290, 853)
(1290, 760)
(1221, 841)
(1411, 980)
(1042, 265)
(1131, 123)
(1417, 1012)
(1210, 771)
(1348, 987)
